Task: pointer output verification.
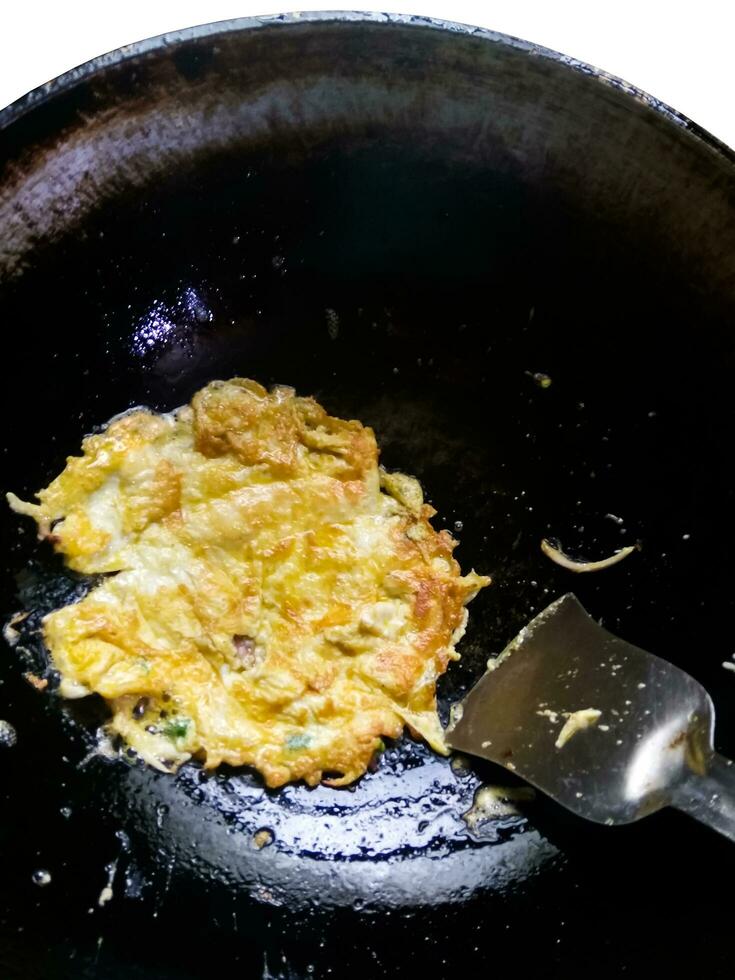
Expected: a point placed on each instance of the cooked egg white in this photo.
(271, 597)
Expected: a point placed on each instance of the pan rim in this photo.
(68, 80)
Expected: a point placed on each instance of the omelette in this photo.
(267, 594)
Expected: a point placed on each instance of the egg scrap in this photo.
(269, 596)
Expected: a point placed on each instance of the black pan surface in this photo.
(409, 220)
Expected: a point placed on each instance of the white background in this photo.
(681, 52)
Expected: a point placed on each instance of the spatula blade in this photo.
(654, 726)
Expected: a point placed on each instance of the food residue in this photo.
(491, 802)
(577, 721)
(40, 683)
(573, 565)
(262, 838)
(10, 633)
(553, 716)
(107, 893)
(460, 764)
(540, 378)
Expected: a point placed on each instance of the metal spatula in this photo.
(609, 731)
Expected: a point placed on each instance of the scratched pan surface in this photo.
(409, 220)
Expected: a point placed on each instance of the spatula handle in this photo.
(710, 798)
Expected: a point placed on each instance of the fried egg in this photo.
(268, 595)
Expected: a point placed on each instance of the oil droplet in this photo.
(41, 877)
(458, 526)
(8, 735)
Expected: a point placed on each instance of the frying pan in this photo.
(410, 220)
